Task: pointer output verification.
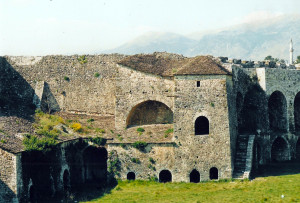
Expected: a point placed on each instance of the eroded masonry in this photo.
(166, 117)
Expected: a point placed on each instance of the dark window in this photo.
(279, 151)
(194, 176)
(165, 176)
(213, 173)
(131, 176)
(198, 83)
(201, 126)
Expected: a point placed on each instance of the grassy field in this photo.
(285, 188)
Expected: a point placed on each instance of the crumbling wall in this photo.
(8, 176)
(75, 83)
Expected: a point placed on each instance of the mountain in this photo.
(251, 41)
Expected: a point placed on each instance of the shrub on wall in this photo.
(98, 140)
(32, 143)
(140, 145)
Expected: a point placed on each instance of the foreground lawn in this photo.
(284, 188)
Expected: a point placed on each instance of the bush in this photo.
(98, 140)
(82, 59)
(77, 127)
(139, 145)
(90, 120)
(151, 160)
(66, 78)
(97, 75)
(136, 160)
(32, 143)
(140, 130)
(99, 130)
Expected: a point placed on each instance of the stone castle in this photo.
(166, 116)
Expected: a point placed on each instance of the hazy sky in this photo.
(41, 27)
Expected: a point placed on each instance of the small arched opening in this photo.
(66, 181)
(149, 112)
(298, 150)
(95, 164)
(201, 126)
(194, 176)
(165, 176)
(257, 159)
(131, 176)
(280, 150)
(277, 110)
(213, 173)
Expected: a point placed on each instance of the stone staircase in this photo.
(243, 158)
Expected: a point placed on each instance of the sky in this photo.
(44, 27)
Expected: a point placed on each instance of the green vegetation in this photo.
(66, 78)
(270, 58)
(298, 59)
(212, 104)
(97, 75)
(90, 120)
(269, 189)
(32, 142)
(82, 59)
(168, 132)
(99, 130)
(152, 160)
(151, 167)
(139, 145)
(3, 141)
(98, 140)
(135, 160)
(140, 130)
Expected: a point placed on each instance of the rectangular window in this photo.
(198, 83)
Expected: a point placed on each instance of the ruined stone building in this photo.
(167, 117)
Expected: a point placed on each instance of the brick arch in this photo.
(149, 112)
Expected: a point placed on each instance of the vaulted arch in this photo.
(277, 110)
(150, 112)
(280, 150)
(297, 112)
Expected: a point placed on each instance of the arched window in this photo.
(131, 176)
(280, 150)
(194, 176)
(213, 173)
(165, 176)
(201, 126)
(149, 112)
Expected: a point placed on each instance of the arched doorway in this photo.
(131, 176)
(165, 176)
(277, 110)
(66, 181)
(256, 157)
(194, 176)
(201, 126)
(213, 173)
(280, 150)
(95, 164)
(149, 112)
(298, 150)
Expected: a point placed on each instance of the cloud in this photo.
(260, 16)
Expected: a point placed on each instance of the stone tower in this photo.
(291, 52)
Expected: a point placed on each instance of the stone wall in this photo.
(72, 84)
(202, 152)
(8, 177)
(134, 87)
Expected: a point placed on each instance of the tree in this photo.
(269, 58)
(298, 59)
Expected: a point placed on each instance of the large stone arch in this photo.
(149, 112)
(251, 117)
(280, 150)
(277, 111)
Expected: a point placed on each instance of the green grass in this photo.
(264, 189)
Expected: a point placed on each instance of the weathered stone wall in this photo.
(134, 87)
(8, 177)
(134, 160)
(71, 84)
(202, 152)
